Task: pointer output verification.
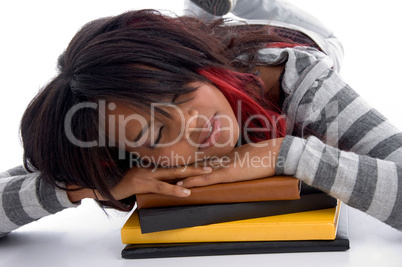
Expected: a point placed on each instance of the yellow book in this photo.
(309, 225)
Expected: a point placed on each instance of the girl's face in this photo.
(201, 128)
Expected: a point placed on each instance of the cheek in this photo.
(175, 155)
(232, 127)
(229, 130)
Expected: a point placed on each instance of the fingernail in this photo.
(186, 191)
(179, 183)
(207, 169)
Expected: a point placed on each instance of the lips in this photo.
(210, 132)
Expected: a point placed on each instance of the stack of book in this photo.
(269, 215)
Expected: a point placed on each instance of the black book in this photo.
(144, 251)
(168, 218)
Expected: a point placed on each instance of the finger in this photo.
(165, 174)
(163, 188)
(202, 180)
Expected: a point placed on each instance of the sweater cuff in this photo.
(289, 155)
(51, 198)
(63, 199)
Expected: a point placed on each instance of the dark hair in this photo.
(133, 58)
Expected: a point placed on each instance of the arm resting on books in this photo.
(344, 147)
(369, 184)
(247, 162)
(141, 180)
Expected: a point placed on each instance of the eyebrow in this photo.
(143, 130)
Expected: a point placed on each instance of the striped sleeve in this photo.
(26, 197)
(341, 145)
(369, 184)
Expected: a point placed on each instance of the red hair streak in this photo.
(241, 87)
(281, 45)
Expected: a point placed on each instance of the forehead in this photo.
(116, 108)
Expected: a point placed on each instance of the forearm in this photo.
(366, 183)
(26, 197)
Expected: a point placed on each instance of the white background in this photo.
(34, 33)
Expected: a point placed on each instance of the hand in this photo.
(145, 180)
(246, 162)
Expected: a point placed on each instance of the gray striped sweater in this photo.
(26, 197)
(335, 142)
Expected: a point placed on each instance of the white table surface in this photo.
(84, 236)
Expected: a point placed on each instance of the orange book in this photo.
(265, 189)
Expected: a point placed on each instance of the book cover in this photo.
(309, 225)
(265, 189)
(168, 218)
